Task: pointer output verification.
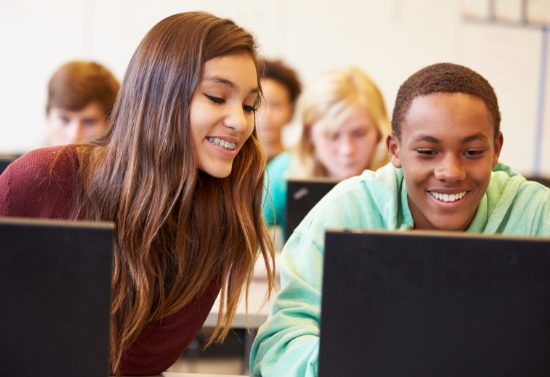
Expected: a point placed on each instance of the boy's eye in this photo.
(215, 99)
(473, 152)
(426, 152)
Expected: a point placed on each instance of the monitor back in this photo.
(434, 304)
(301, 197)
(55, 289)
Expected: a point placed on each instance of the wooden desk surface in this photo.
(258, 310)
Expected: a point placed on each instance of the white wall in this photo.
(389, 39)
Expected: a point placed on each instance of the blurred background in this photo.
(504, 40)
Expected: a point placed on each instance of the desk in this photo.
(258, 311)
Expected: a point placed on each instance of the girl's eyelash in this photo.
(218, 100)
(215, 99)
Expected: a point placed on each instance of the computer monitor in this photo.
(55, 295)
(434, 304)
(301, 197)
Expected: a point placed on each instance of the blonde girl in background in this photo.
(343, 121)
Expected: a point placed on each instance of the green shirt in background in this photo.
(274, 204)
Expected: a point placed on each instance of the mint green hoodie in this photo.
(287, 344)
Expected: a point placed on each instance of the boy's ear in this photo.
(392, 143)
(498, 147)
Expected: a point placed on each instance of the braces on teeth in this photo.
(222, 143)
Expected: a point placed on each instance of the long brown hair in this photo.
(178, 229)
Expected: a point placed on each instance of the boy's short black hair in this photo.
(443, 78)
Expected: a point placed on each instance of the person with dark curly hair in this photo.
(280, 89)
(444, 174)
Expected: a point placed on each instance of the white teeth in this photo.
(222, 143)
(447, 197)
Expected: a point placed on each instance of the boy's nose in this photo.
(450, 170)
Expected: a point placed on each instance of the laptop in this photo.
(55, 295)
(434, 304)
(301, 197)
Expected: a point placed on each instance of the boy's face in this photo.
(68, 126)
(447, 150)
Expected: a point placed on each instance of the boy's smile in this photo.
(447, 150)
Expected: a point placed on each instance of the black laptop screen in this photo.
(55, 284)
(302, 196)
(434, 304)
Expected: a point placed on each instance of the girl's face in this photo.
(349, 151)
(275, 111)
(222, 111)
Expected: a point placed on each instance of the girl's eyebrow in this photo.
(230, 84)
(221, 80)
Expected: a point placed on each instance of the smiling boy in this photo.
(444, 175)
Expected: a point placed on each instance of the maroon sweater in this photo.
(30, 188)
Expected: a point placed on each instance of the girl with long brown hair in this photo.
(179, 170)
